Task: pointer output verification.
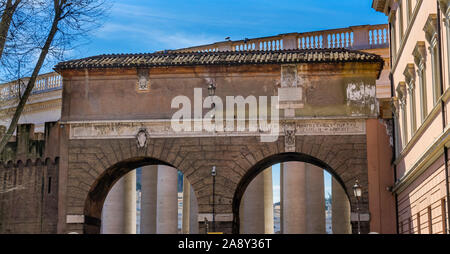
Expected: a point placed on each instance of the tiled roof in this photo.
(161, 59)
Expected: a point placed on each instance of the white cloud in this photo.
(154, 36)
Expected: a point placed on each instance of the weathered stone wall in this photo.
(28, 197)
(29, 176)
(337, 89)
(94, 166)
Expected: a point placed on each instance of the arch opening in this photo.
(140, 195)
(313, 196)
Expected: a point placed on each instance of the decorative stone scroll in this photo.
(141, 138)
(143, 83)
(289, 136)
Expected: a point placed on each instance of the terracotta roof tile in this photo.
(220, 58)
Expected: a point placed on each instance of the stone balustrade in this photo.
(44, 83)
(354, 37)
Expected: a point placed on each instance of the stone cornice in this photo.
(445, 6)
(401, 91)
(36, 107)
(381, 5)
(410, 74)
(34, 98)
(420, 53)
(430, 28)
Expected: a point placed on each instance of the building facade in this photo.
(420, 74)
(362, 147)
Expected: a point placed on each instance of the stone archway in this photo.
(95, 164)
(101, 187)
(268, 162)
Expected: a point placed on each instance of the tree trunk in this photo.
(31, 81)
(5, 23)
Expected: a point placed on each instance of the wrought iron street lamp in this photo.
(211, 89)
(212, 92)
(213, 174)
(357, 191)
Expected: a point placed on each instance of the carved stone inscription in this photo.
(162, 129)
(331, 127)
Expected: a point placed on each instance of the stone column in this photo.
(294, 198)
(256, 210)
(193, 212)
(315, 200)
(340, 210)
(281, 197)
(268, 201)
(167, 201)
(112, 212)
(148, 199)
(252, 207)
(119, 210)
(186, 222)
(129, 182)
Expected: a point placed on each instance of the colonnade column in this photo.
(167, 201)
(302, 199)
(149, 182)
(268, 201)
(293, 198)
(190, 209)
(193, 213)
(315, 200)
(129, 182)
(256, 209)
(186, 222)
(340, 210)
(119, 210)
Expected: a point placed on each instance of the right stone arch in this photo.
(343, 178)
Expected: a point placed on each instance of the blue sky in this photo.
(137, 26)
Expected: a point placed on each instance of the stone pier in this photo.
(167, 201)
(119, 210)
(256, 210)
(340, 210)
(148, 199)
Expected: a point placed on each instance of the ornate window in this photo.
(432, 37)
(401, 94)
(410, 79)
(392, 21)
(400, 20)
(445, 8)
(408, 10)
(420, 59)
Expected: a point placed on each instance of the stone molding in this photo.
(401, 91)
(430, 30)
(420, 54)
(162, 129)
(410, 75)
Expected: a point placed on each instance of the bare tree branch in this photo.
(10, 8)
(70, 20)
